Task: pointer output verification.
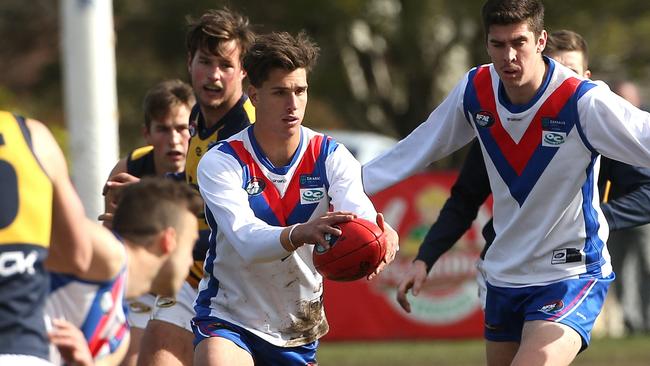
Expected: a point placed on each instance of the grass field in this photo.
(633, 351)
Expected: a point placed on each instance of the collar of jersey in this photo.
(518, 108)
(265, 161)
(232, 116)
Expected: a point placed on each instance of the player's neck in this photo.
(139, 279)
(212, 115)
(278, 149)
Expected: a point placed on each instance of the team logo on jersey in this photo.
(255, 186)
(310, 181)
(553, 307)
(484, 119)
(311, 195)
(566, 255)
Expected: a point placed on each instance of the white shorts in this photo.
(23, 360)
(140, 310)
(179, 310)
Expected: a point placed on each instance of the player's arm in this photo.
(70, 248)
(445, 131)
(469, 192)
(613, 127)
(632, 208)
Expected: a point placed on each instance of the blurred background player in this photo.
(39, 214)
(261, 300)
(156, 227)
(630, 248)
(216, 43)
(166, 109)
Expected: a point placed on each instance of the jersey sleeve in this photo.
(468, 193)
(220, 183)
(631, 207)
(346, 190)
(444, 131)
(614, 127)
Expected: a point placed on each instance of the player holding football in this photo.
(541, 128)
(261, 301)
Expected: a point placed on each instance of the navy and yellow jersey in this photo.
(202, 139)
(140, 163)
(25, 227)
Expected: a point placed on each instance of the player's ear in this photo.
(588, 74)
(167, 241)
(252, 94)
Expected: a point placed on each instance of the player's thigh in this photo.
(547, 343)
(218, 351)
(500, 353)
(165, 343)
(131, 358)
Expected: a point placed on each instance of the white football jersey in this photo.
(250, 279)
(542, 159)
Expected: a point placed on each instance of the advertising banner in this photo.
(448, 305)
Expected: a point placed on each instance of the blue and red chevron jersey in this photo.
(542, 160)
(95, 307)
(251, 280)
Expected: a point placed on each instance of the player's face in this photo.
(172, 274)
(280, 102)
(515, 52)
(169, 137)
(573, 60)
(217, 78)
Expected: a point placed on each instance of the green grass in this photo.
(633, 351)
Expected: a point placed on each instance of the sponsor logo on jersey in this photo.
(566, 255)
(550, 124)
(192, 128)
(484, 119)
(311, 195)
(310, 181)
(552, 138)
(552, 308)
(13, 263)
(255, 186)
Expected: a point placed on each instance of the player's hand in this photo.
(319, 229)
(71, 343)
(392, 245)
(413, 280)
(111, 191)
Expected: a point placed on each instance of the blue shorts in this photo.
(263, 352)
(575, 303)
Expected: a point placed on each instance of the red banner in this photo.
(448, 305)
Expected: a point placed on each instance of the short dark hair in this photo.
(164, 96)
(150, 206)
(279, 50)
(565, 41)
(215, 27)
(506, 12)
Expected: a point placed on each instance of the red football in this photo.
(353, 255)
